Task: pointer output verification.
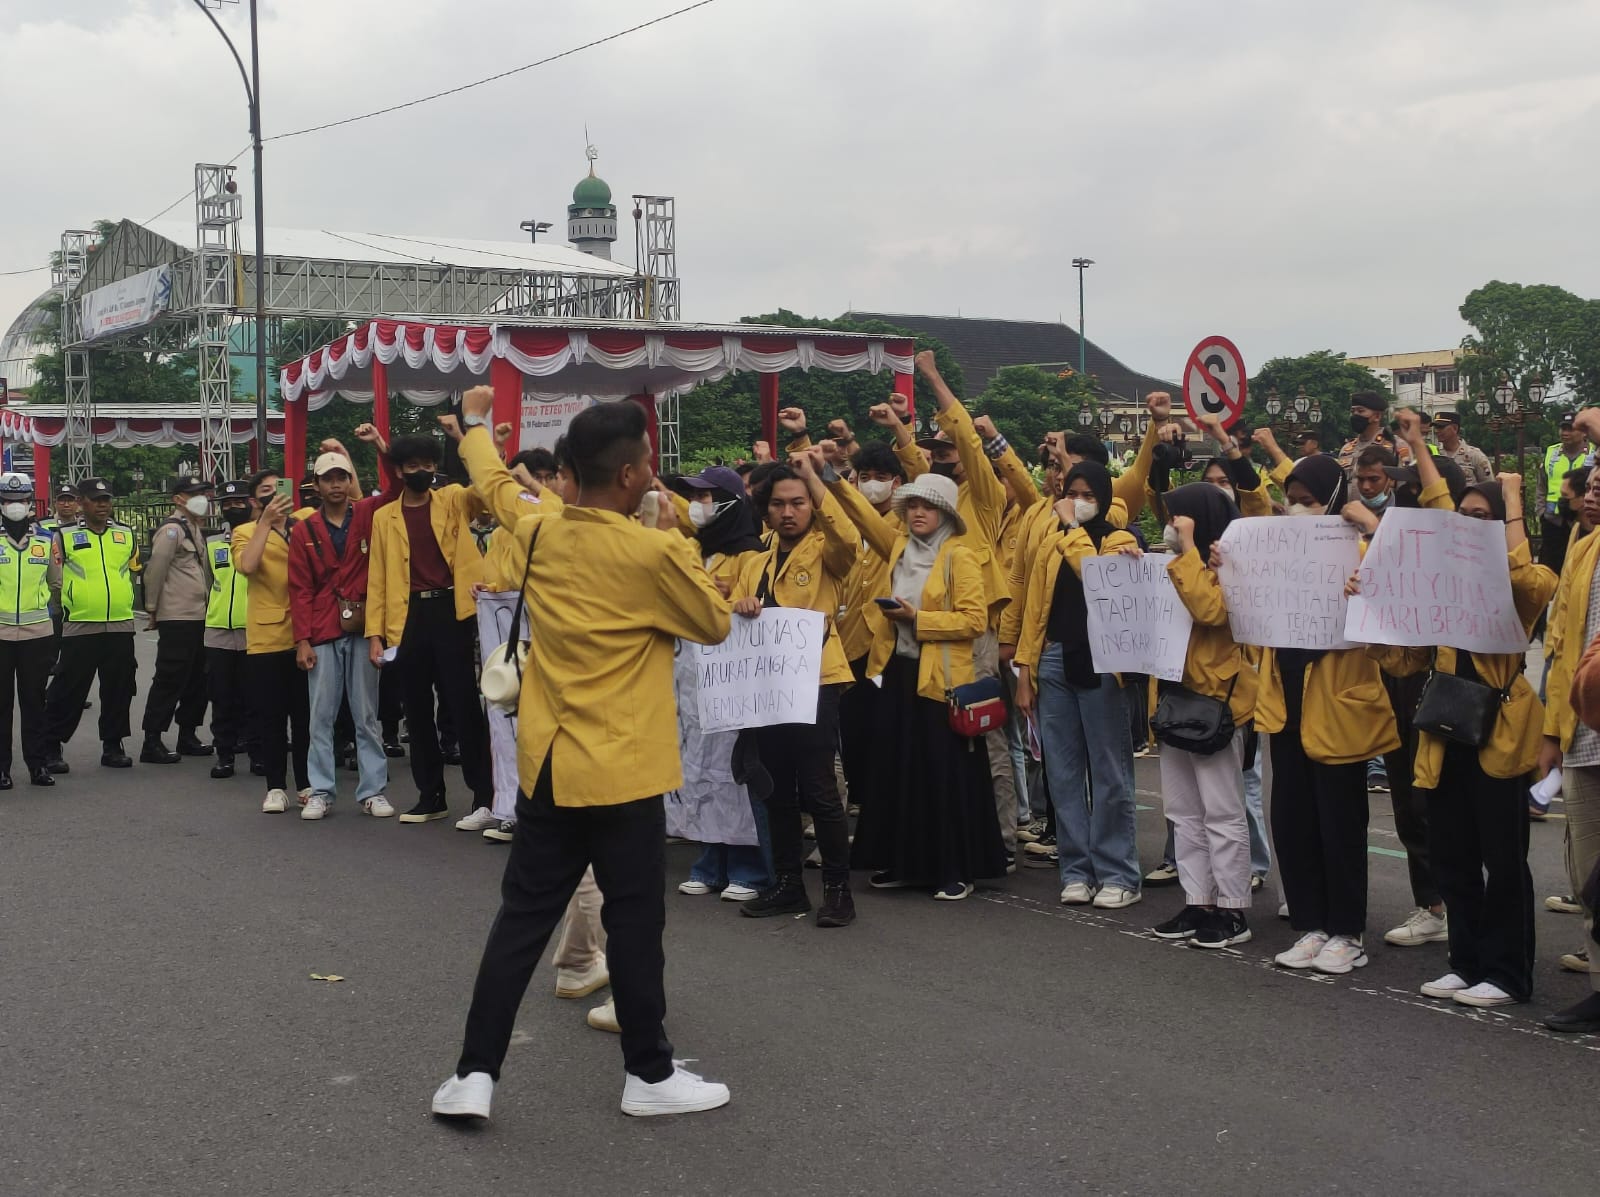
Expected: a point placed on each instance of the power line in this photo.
(438, 95)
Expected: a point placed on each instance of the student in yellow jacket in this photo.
(931, 821)
(1204, 795)
(812, 551)
(1478, 797)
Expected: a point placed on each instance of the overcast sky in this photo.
(1296, 176)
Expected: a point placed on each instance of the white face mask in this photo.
(15, 512)
(1228, 490)
(1303, 509)
(700, 514)
(876, 491)
(198, 506)
(1084, 510)
(1171, 539)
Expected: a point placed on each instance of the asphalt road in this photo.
(160, 1033)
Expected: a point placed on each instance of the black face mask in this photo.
(1359, 422)
(419, 482)
(234, 516)
(945, 469)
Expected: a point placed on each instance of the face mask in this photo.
(1084, 510)
(1358, 423)
(198, 506)
(876, 491)
(1303, 509)
(1228, 490)
(234, 516)
(419, 482)
(701, 514)
(945, 469)
(1377, 504)
(1171, 539)
(14, 512)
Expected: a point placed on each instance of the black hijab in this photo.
(1099, 480)
(1324, 477)
(1491, 494)
(1210, 509)
(733, 531)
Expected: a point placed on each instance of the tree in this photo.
(1329, 380)
(1026, 402)
(1521, 334)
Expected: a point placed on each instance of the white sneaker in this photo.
(1283, 910)
(316, 806)
(1305, 951)
(304, 796)
(1114, 897)
(1341, 954)
(464, 1096)
(1446, 987)
(502, 832)
(681, 1093)
(277, 802)
(739, 893)
(1422, 927)
(479, 820)
(693, 888)
(377, 806)
(577, 983)
(1484, 995)
(604, 1018)
(1078, 893)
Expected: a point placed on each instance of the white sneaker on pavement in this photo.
(1484, 995)
(681, 1093)
(577, 983)
(502, 832)
(377, 806)
(316, 806)
(1422, 927)
(276, 803)
(693, 888)
(1446, 987)
(479, 820)
(1078, 893)
(464, 1096)
(1340, 955)
(304, 796)
(1305, 951)
(604, 1018)
(1114, 897)
(739, 893)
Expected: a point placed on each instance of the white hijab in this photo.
(910, 578)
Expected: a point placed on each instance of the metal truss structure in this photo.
(216, 233)
(656, 237)
(69, 270)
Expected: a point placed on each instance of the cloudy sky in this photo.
(1297, 176)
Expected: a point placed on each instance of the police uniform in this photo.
(177, 594)
(29, 579)
(227, 611)
(97, 569)
(52, 524)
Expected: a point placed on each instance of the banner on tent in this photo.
(126, 304)
(1283, 579)
(1137, 623)
(766, 671)
(543, 424)
(495, 612)
(1433, 577)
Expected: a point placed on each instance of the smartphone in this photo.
(888, 604)
(284, 489)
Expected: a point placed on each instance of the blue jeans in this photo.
(722, 865)
(1017, 741)
(1260, 853)
(1087, 740)
(343, 668)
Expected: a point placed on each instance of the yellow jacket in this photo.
(493, 490)
(950, 616)
(982, 503)
(389, 571)
(1214, 661)
(1565, 640)
(606, 599)
(1513, 747)
(812, 579)
(1060, 548)
(869, 579)
(1345, 714)
(268, 626)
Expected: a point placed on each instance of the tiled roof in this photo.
(983, 347)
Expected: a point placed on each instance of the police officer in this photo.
(1367, 409)
(226, 612)
(177, 591)
(66, 509)
(98, 561)
(1570, 452)
(29, 579)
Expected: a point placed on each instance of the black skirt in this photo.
(931, 819)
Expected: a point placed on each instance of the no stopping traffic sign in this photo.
(1214, 381)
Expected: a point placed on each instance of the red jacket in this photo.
(319, 579)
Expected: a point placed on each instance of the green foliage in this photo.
(1329, 380)
(729, 455)
(1026, 402)
(1520, 333)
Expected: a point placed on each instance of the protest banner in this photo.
(1436, 578)
(709, 807)
(1283, 579)
(1137, 623)
(765, 672)
(494, 628)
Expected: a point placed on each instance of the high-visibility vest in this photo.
(229, 600)
(49, 525)
(97, 573)
(24, 580)
(1556, 466)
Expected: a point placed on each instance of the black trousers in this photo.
(1410, 804)
(1319, 828)
(24, 674)
(109, 654)
(284, 706)
(1478, 830)
(799, 758)
(391, 705)
(179, 685)
(232, 699)
(436, 650)
(856, 715)
(552, 847)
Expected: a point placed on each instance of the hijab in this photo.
(1492, 494)
(1210, 509)
(1324, 477)
(1099, 480)
(911, 575)
(733, 530)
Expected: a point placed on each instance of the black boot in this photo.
(428, 808)
(391, 745)
(53, 761)
(838, 907)
(189, 744)
(5, 779)
(257, 769)
(224, 766)
(41, 777)
(155, 752)
(451, 752)
(787, 896)
(112, 756)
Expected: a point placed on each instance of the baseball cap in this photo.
(1569, 421)
(713, 478)
(95, 488)
(188, 484)
(329, 462)
(237, 489)
(66, 491)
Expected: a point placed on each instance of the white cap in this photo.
(329, 462)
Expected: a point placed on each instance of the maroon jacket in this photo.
(319, 579)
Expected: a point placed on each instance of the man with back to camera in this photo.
(177, 588)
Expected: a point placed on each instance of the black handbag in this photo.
(1193, 722)
(1458, 708)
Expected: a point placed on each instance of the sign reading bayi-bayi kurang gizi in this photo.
(1283, 579)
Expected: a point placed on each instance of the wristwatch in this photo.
(474, 421)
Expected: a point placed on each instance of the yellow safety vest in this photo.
(24, 580)
(97, 573)
(229, 601)
(1556, 466)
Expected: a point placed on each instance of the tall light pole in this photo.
(252, 91)
(1080, 265)
(534, 227)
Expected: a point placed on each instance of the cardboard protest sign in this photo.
(1137, 623)
(766, 671)
(1283, 579)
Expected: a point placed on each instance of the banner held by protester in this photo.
(1283, 580)
(764, 673)
(1136, 622)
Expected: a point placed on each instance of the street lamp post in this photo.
(534, 227)
(1274, 406)
(1080, 265)
(252, 90)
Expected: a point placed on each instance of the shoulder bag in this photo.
(979, 707)
(1458, 709)
(352, 612)
(500, 681)
(1194, 722)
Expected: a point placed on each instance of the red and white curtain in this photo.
(52, 431)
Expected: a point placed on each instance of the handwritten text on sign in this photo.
(1283, 580)
(1436, 578)
(765, 672)
(1137, 622)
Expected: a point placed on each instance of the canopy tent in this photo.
(543, 361)
(44, 426)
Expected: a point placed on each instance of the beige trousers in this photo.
(1580, 788)
(986, 663)
(582, 936)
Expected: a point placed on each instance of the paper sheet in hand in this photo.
(1137, 623)
(1436, 578)
(766, 671)
(1283, 579)
(494, 629)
